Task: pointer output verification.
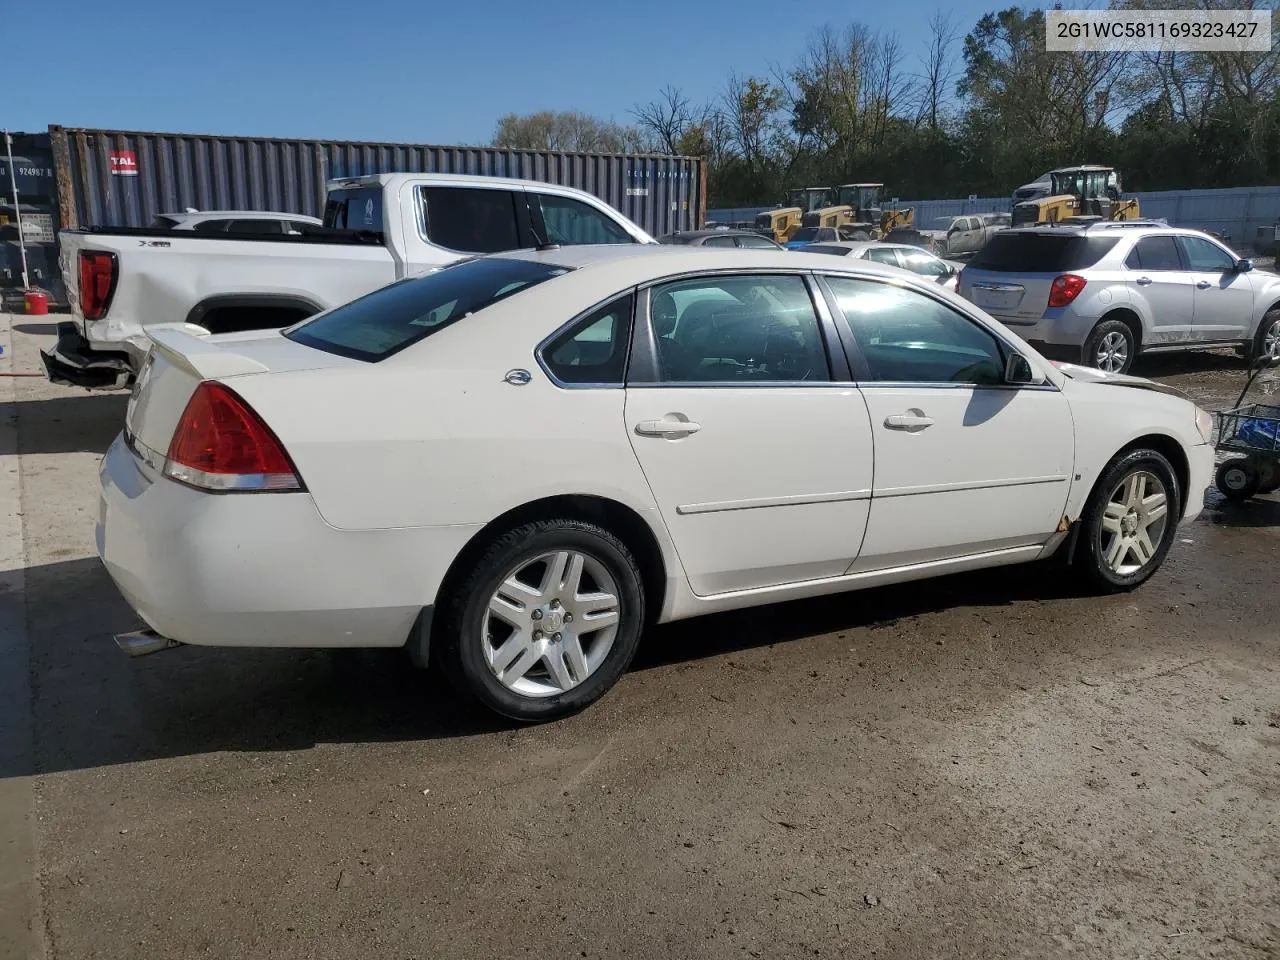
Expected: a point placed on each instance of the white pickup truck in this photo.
(377, 229)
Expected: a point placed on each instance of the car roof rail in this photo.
(1124, 224)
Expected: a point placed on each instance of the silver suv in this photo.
(1102, 293)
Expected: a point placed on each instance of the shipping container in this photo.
(113, 178)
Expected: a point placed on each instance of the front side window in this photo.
(883, 255)
(594, 350)
(1154, 253)
(386, 321)
(737, 330)
(923, 263)
(572, 222)
(906, 337)
(471, 219)
(1205, 257)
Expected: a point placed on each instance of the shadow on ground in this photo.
(78, 422)
(96, 707)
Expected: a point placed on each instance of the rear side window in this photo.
(756, 243)
(356, 209)
(594, 350)
(883, 255)
(1041, 252)
(1154, 253)
(211, 226)
(163, 223)
(719, 242)
(388, 320)
(473, 220)
(254, 226)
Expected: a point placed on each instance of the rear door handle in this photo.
(1143, 281)
(911, 421)
(1203, 285)
(667, 428)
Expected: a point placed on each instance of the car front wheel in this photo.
(547, 620)
(1129, 521)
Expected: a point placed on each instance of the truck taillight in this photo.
(1064, 289)
(97, 283)
(222, 445)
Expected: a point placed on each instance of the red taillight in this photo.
(221, 444)
(97, 283)
(1065, 289)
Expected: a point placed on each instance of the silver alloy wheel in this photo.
(1113, 352)
(1133, 522)
(551, 623)
(1271, 340)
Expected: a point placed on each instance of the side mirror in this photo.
(1017, 370)
(1244, 265)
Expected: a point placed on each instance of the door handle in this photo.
(1203, 285)
(667, 428)
(912, 421)
(1143, 281)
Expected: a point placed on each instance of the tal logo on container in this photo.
(124, 163)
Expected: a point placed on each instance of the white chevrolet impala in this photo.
(517, 463)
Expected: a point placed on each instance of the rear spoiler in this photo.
(187, 346)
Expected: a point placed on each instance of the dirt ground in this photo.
(983, 766)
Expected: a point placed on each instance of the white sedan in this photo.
(915, 259)
(520, 461)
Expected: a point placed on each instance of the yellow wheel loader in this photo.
(1080, 194)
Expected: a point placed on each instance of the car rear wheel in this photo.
(547, 621)
(1111, 347)
(1129, 521)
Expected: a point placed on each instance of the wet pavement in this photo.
(988, 765)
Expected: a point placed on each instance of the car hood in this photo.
(1094, 375)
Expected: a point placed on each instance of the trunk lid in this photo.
(181, 358)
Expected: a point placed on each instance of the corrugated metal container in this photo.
(111, 178)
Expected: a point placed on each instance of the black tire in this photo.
(1090, 561)
(1270, 320)
(1268, 476)
(1237, 480)
(1107, 328)
(458, 632)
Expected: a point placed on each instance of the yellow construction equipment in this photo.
(780, 224)
(1079, 194)
(858, 213)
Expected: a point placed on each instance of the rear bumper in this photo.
(75, 362)
(261, 570)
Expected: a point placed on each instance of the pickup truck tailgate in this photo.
(179, 361)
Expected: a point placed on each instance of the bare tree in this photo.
(666, 118)
(939, 73)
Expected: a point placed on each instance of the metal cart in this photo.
(1251, 431)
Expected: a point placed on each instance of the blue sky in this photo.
(419, 72)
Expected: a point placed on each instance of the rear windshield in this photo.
(1041, 252)
(392, 318)
(356, 209)
(806, 234)
(827, 248)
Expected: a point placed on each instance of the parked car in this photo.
(895, 255)
(721, 237)
(236, 221)
(123, 284)
(967, 234)
(513, 465)
(1104, 293)
(807, 235)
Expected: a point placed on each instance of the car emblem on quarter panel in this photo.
(518, 378)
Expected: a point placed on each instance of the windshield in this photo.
(355, 209)
(389, 319)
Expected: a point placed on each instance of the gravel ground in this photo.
(983, 766)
